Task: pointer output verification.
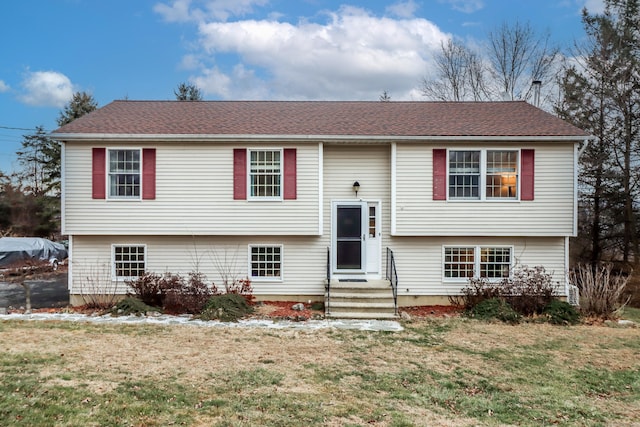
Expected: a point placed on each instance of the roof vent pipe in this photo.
(536, 92)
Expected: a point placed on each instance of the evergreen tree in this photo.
(81, 104)
(602, 96)
(40, 161)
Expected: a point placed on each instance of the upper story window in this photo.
(265, 173)
(483, 174)
(464, 174)
(124, 174)
(502, 174)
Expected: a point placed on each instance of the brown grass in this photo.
(103, 356)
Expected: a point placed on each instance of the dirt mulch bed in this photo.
(432, 311)
(283, 310)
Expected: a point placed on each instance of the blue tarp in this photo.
(15, 249)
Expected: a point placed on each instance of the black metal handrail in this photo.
(327, 286)
(392, 277)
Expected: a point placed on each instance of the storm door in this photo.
(349, 236)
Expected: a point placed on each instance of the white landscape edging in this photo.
(362, 325)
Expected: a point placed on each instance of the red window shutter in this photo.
(98, 173)
(148, 173)
(239, 174)
(290, 174)
(527, 174)
(439, 174)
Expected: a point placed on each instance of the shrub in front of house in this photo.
(178, 295)
(527, 290)
(241, 287)
(494, 309)
(190, 296)
(561, 313)
(226, 308)
(132, 306)
(603, 291)
(151, 288)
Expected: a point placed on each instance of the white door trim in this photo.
(376, 253)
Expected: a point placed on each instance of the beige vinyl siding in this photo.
(194, 196)
(370, 166)
(549, 214)
(303, 261)
(419, 260)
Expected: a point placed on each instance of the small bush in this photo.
(241, 287)
(148, 288)
(226, 308)
(527, 291)
(131, 305)
(494, 308)
(602, 292)
(479, 289)
(561, 313)
(190, 296)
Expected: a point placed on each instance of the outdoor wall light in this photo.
(356, 187)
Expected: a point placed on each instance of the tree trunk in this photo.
(27, 294)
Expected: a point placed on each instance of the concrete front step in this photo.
(358, 315)
(372, 299)
(354, 299)
(370, 284)
(362, 306)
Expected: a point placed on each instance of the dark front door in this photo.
(349, 238)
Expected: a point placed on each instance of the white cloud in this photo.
(404, 9)
(46, 88)
(354, 55)
(4, 87)
(201, 10)
(465, 6)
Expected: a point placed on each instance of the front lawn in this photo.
(438, 371)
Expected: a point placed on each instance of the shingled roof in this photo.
(320, 118)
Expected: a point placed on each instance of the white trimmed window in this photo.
(490, 262)
(129, 261)
(483, 174)
(265, 174)
(265, 262)
(459, 262)
(502, 174)
(124, 174)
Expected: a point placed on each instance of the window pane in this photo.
(129, 261)
(464, 174)
(266, 261)
(265, 173)
(502, 174)
(459, 262)
(124, 173)
(495, 262)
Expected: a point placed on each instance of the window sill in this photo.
(266, 280)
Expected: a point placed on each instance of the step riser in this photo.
(349, 300)
(358, 315)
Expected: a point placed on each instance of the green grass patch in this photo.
(434, 372)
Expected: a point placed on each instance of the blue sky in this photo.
(237, 49)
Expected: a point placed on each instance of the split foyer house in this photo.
(307, 198)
